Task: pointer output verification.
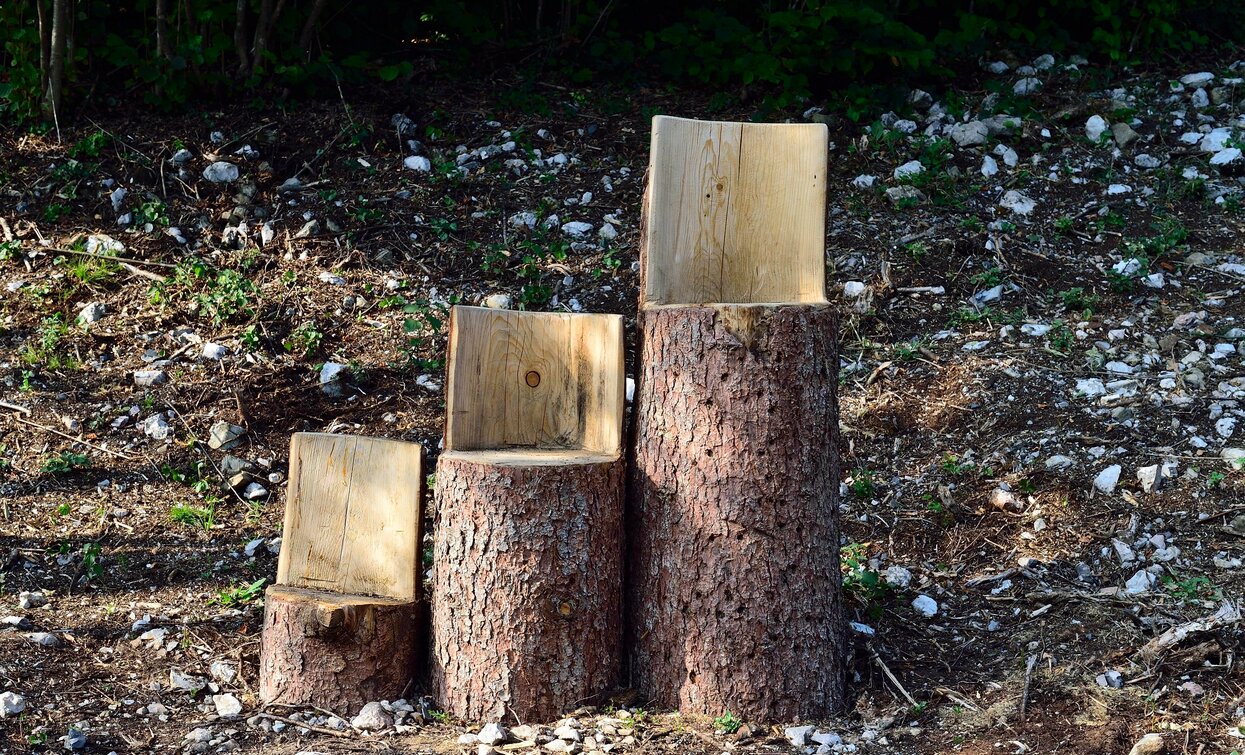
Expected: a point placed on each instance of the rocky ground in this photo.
(1040, 273)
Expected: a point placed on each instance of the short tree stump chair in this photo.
(734, 585)
(341, 623)
(527, 564)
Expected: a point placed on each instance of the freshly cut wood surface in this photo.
(534, 380)
(353, 516)
(734, 213)
(334, 651)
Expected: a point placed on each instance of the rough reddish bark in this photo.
(333, 651)
(734, 584)
(527, 587)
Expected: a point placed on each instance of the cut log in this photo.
(333, 651)
(527, 582)
(734, 589)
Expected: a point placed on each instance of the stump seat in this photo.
(341, 623)
(527, 575)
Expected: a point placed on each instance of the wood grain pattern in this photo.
(535, 380)
(352, 516)
(734, 213)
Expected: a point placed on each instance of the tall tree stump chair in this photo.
(734, 585)
(341, 623)
(527, 562)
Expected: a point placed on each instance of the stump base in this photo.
(526, 597)
(333, 651)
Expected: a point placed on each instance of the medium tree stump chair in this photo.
(527, 575)
(340, 624)
(734, 583)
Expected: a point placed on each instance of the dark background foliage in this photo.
(168, 52)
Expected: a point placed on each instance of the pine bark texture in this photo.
(336, 652)
(734, 584)
(527, 587)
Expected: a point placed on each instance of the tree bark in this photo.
(45, 46)
(239, 39)
(734, 584)
(308, 34)
(54, 96)
(336, 652)
(163, 46)
(527, 586)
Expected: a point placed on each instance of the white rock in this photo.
(1009, 156)
(214, 351)
(373, 717)
(989, 166)
(1095, 127)
(418, 163)
(969, 134)
(1140, 582)
(118, 199)
(577, 229)
(1108, 478)
(607, 232)
(1199, 99)
(91, 313)
(1117, 189)
(1147, 161)
(910, 168)
(254, 491)
(227, 706)
(1059, 461)
(29, 600)
(1150, 744)
(1018, 203)
(1197, 79)
(1035, 329)
(223, 672)
(11, 704)
(1027, 86)
(157, 427)
(854, 289)
(1215, 141)
(997, 67)
(221, 172)
(897, 577)
(925, 605)
(1225, 427)
(1150, 478)
(148, 378)
(333, 378)
(492, 734)
(567, 733)
(864, 181)
(1226, 156)
(798, 735)
(497, 301)
(897, 194)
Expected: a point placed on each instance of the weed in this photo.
(439, 716)
(304, 340)
(1189, 589)
(55, 212)
(90, 271)
(10, 250)
(728, 722)
(1061, 337)
(240, 595)
(862, 486)
(42, 349)
(916, 250)
(443, 227)
(92, 561)
(203, 518)
(1215, 479)
(860, 580)
(1077, 299)
(989, 278)
(153, 212)
(65, 462)
(952, 465)
(1064, 225)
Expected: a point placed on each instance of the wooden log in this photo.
(343, 627)
(527, 561)
(734, 584)
(335, 651)
(527, 583)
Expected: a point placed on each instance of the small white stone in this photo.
(854, 289)
(492, 734)
(333, 378)
(1226, 156)
(1117, 189)
(798, 735)
(1027, 86)
(1095, 127)
(214, 351)
(607, 232)
(864, 181)
(227, 706)
(497, 301)
(221, 172)
(910, 168)
(989, 166)
(254, 491)
(897, 577)
(1018, 203)
(925, 605)
(11, 704)
(577, 229)
(1107, 479)
(1140, 582)
(373, 717)
(1197, 79)
(418, 163)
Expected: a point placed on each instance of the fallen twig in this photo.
(894, 680)
(75, 439)
(305, 725)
